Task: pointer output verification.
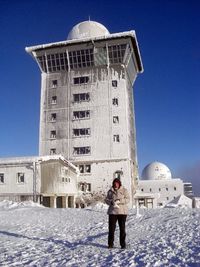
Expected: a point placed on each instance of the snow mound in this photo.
(8, 205)
(98, 206)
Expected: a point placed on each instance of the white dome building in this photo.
(157, 187)
(87, 29)
(156, 171)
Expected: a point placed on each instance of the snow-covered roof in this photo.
(26, 160)
(90, 31)
(57, 157)
(77, 41)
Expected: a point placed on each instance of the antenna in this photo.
(89, 17)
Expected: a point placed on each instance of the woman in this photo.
(117, 199)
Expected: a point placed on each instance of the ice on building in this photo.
(87, 103)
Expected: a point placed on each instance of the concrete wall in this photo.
(11, 184)
(166, 190)
(102, 175)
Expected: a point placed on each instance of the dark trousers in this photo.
(112, 225)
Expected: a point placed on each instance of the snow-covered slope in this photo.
(35, 236)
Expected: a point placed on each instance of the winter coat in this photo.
(123, 196)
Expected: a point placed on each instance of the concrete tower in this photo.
(87, 106)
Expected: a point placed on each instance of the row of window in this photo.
(20, 178)
(85, 150)
(66, 180)
(82, 114)
(83, 58)
(84, 186)
(167, 189)
(82, 132)
(82, 97)
(80, 80)
(84, 168)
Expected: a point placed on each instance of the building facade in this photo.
(87, 104)
(49, 180)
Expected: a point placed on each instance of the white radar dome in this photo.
(156, 171)
(87, 29)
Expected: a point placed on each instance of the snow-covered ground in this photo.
(32, 235)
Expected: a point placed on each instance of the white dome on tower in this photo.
(87, 29)
(156, 171)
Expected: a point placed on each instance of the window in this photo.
(53, 62)
(116, 53)
(88, 187)
(54, 83)
(81, 168)
(159, 189)
(174, 188)
(53, 117)
(116, 138)
(54, 100)
(81, 132)
(114, 83)
(20, 177)
(42, 62)
(81, 58)
(85, 150)
(81, 80)
(142, 189)
(85, 168)
(78, 115)
(167, 198)
(115, 101)
(83, 186)
(166, 189)
(1, 178)
(88, 168)
(115, 119)
(65, 180)
(53, 134)
(52, 151)
(59, 62)
(81, 97)
(150, 189)
(118, 174)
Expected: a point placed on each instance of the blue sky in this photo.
(167, 94)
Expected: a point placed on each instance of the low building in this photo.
(157, 181)
(49, 180)
(196, 202)
(188, 191)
